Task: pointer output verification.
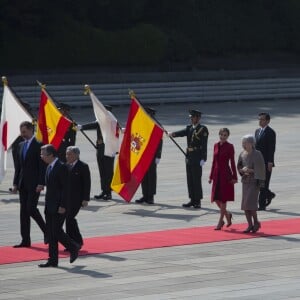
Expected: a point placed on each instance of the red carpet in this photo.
(155, 239)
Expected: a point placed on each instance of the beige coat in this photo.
(251, 183)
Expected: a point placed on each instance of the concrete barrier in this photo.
(170, 92)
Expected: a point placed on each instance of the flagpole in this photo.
(87, 91)
(88, 138)
(132, 95)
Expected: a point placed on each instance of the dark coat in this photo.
(31, 171)
(266, 143)
(196, 142)
(79, 185)
(223, 170)
(56, 193)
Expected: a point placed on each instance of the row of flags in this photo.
(136, 149)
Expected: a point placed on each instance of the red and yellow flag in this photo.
(141, 139)
(52, 125)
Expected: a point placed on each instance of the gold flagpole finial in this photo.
(42, 85)
(131, 93)
(87, 89)
(4, 80)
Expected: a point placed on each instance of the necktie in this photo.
(261, 132)
(48, 171)
(25, 148)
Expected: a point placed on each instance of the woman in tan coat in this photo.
(252, 169)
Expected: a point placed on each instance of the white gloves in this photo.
(202, 163)
(78, 127)
(157, 160)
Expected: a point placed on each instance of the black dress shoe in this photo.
(261, 208)
(99, 196)
(140, 201)
(189, 204)
(149, 201)
(269, 200)
(48, 264)
(22, 245)
(106, 197)
(74, 253)
(197, 206)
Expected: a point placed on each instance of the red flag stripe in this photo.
(129, 189)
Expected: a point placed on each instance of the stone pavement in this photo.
(258, 268)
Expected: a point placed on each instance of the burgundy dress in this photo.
(223, 170)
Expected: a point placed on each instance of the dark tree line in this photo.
(65, 33)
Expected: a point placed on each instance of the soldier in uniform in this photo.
(150, 179)
(105, 163)
(70, 136)
(196, 155)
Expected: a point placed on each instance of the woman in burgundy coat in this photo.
(223, 175)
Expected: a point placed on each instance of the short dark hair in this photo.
(27, 124)
(49, 149)
(266, 115)
(224, 130)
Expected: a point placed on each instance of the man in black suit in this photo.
(79, 187)
(55, 206)
(150, 179)
(29, 179)
(266, 142)
(105, 163)
(196, 155)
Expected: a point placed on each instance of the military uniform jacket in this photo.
(99, 142)
(196, 142)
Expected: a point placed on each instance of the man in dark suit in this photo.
(265, 142)
(79, 187)
(105, 163)
(55, 206)
(29, 179)
(196, 155)
(150, 179)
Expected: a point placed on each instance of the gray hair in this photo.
(73, 149)
(249, 138)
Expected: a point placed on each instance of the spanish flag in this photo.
(141, 139)
(52, 125)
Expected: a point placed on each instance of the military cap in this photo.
(64, 106)
(195, 113)
(151, 111)
(108, 107)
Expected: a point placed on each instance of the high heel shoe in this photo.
(220, 226)
(230, 217)
(249, 229)
(256, 227)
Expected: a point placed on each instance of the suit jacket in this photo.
(29, 172)
(79, 185)
(266, 143)
(56, 192)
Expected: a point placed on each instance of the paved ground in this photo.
(246, 269)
